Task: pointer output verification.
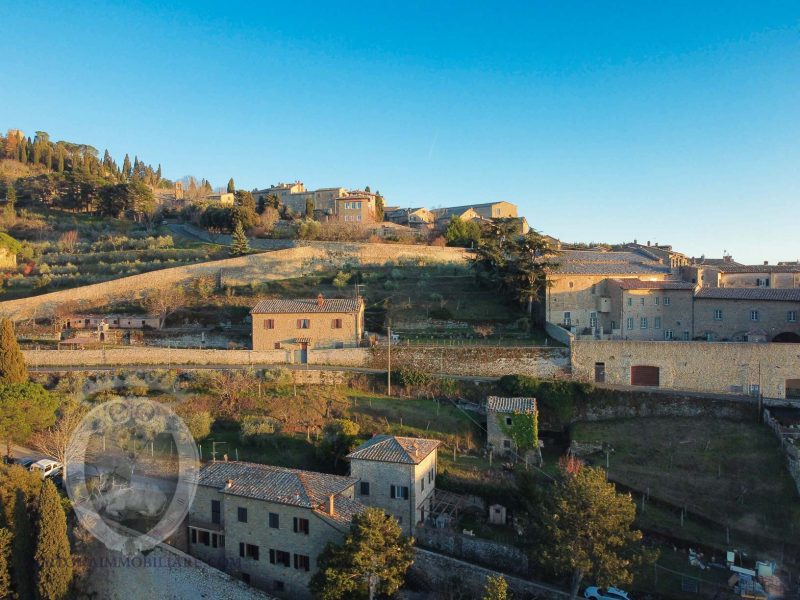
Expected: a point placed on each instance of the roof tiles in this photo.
(510, 405)
(773, 294)
(390, 448)
(306, 305)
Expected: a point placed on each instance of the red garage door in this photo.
(642, 375)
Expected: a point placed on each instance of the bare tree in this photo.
(68, 241)
(165, 301)
(54, 441)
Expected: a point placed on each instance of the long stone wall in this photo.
(482, 361)
(716, 367)
(148, 355)
(302, 259)
(509, 559)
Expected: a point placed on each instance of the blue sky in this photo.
(674, 122)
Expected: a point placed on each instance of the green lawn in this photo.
(731, 473)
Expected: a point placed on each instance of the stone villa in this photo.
(335, 203)
(499, 412)
(307, 323)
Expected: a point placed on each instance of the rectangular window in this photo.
(399, 492)
(269, 324)
(643, 323)
(656, 300)
(791, 316)
(593, 320)
(630, 301)
(241, 549)
(277, 345)
(215, 512)
(274, 521)
(422, 484)
(656, 322)
(630, 322)
(301, 525)
(686, 336)
(193, 534)
(336, 324)
(667, 300)
(204, 537)
(214, 543)
(668, 334)
(567, 318)
(279, 557)
(641, 300)
(430, 476)
(251, 551)
(364, 488)
(613, 325)
(754, 315)
(241, 514)
(302, 563)
(762, 282)
(303, 324)
(718, 314)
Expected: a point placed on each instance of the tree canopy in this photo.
(12, 363)
(589, 527)
(372, 560)
(462, 233)
(24, 409)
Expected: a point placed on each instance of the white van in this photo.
(46, 467)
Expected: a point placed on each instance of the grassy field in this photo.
(732, 474)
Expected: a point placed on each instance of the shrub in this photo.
(199, 423)
(258, 429)
(557, 399)
(411, 377)
(441, 313)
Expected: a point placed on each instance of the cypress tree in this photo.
(126, 168)
(22, 549)
(11, 195)
(231, 186)
(12, 364)
(60, 160)
(240, 245)
(5, 555)
(52, 561)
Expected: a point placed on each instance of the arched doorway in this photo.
(787, 337)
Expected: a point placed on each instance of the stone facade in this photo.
(656, 310)
(401, 489)
(307, 323)
(499, 414)
(746, 315)
(719, 367)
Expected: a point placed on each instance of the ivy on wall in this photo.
(524, 429)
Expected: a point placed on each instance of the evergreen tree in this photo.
(11, 195)
(158, 175)
(231, 186)
(12, 363)
(52, 561)
(372, 560)
(5, 567)
(60, 159)
(126, 168)
(22, 549)
(240, 245)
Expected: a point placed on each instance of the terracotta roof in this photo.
(593, 262)
(510, 405)
(306, 305)
(306, 489)
(768, 294)
(637, 284)
(737, 268)
(390, 448)
(717, 262)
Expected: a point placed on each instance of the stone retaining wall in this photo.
(148, 355)
(509, 559)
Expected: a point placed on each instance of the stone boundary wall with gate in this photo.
(715, 367)
(302, 259)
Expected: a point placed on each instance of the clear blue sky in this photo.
(676, 122)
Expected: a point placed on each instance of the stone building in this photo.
(747, 314)
(268, 525)
(578, 297)
(397, 475)
(303, 324)
(499, 413)
(487, 210)
(331, 203)
(110, 321)
(221, 198)
(419, 218)
(650, 310)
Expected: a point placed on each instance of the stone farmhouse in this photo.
(310, 323)
(268, 525)
(747, 314)
(397, 475)
(499, 413)
(111, 321)
(335, 204)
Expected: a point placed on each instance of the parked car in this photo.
(25, 462)
(612, 593)
(46, 467)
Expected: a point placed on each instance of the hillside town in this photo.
(419, 304)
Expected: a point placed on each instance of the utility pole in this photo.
(389, 369)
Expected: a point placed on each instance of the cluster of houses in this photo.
(650, 292)
(268, 525)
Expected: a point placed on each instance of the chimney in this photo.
(727, 258)
(331, 508)
(766, 262)
(648, 242)
(229, 484)
(320, 300)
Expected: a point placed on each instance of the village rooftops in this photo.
(510, 405)
(638, 284)
(768, 294)
(308, 305)
(737, 268)
(394, 449)
(306, 489)
(594, 262)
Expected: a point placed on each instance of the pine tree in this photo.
(52, 561)
(11, 195)
(240, 244)
(231, 186)
(12, 363)
(126, 168)
(158, 174)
